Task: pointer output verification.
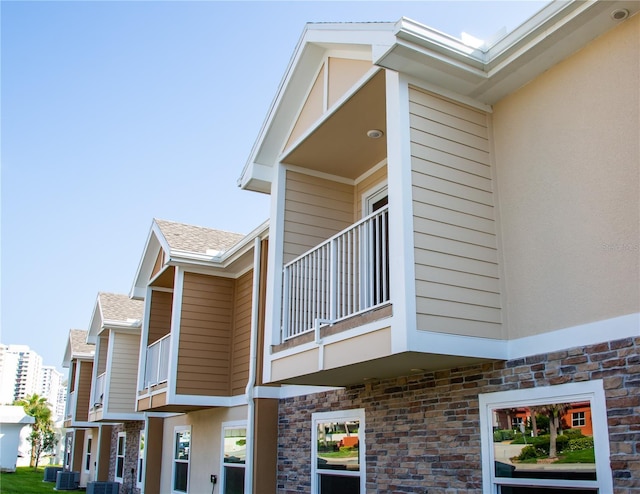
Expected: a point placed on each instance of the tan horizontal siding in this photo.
(159, 315)
(123, 372)
(84, 391)
(205, 335)
(241, 333)
(456, 254)
(324, 205)
(365, 185)
(102, 353)
(441, 105)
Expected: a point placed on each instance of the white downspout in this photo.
(253, 361)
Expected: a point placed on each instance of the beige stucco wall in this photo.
(206, 428)
(567, 173)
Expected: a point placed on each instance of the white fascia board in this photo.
(122, 416)
(116, 325)
(434, 41)
(209, 401)
(95, 324)
(147, 261)
(557, 31)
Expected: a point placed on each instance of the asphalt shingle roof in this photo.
(78, 340)
(118, 307)
(196, 239)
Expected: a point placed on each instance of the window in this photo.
(578, 419)
(68, 444)
(522, 464)
(337, 452)
(140, 476)
(181, 453)
(234, 450)
(87, 458)
(121, 451)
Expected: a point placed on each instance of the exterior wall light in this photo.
(374, 134)
(619, 14)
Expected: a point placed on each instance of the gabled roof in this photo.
(113, 310)
(77, 347)
(196, 239)
(189, 244)
(118, 307)
(478, 77)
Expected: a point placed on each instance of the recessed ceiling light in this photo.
(619, 14)
(374, 134)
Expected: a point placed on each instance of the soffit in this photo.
(339, 145)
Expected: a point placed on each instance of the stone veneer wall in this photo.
(131, 455)
(422, 431)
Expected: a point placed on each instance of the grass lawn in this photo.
(26, 480)
(581, 456)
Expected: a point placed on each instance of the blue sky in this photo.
(114, 113)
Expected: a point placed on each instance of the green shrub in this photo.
(503, 435)
(543, 442)
(531, 452)
(572, 433)
(580, 443)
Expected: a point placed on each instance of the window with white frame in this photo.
(87, 458)
(181, 458)
(551, 458)
(121, 451)
(234, 452)
(140, 475)
(338, 450)
(578, 419)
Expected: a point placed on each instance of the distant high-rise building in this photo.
(50, 387)
(22, 374)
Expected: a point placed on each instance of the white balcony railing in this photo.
(345, 275)
(156, 369)
(71, 405)
(98, 391)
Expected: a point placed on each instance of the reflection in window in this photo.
(234, 457)
(541, 438)
(141, 458)
(120, 455)
(181, 459)
(87, 460)
(338, 439)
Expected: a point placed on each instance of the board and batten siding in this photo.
(243, 298)
(159, 315)
(124, 365)
(315, 210)
(204, 350)
(456, 256)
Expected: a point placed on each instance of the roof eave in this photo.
(309, 52)
(558, 30)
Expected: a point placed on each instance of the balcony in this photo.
(345, 276)
(98, 394)
(157, 362)
(71, 405)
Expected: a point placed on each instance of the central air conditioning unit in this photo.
(50, 473)
(67, 481)
(103, 488)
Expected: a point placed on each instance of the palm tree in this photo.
(554, 411)
(41, 436)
